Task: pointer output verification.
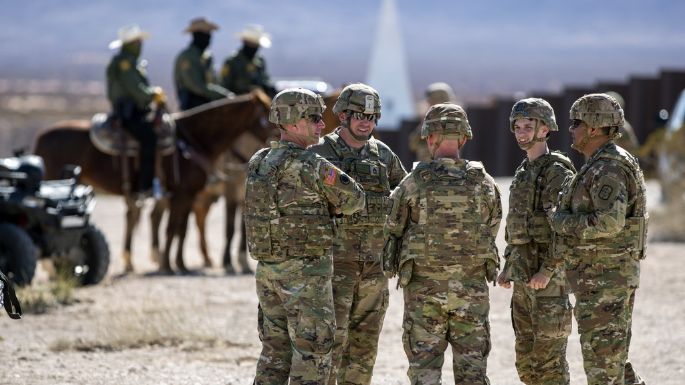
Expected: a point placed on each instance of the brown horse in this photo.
(207, 131)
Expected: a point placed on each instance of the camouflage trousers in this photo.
(296, 326)
(442, 312)
(542, 325)
(604, 319)
(360, 293)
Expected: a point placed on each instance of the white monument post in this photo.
(388, 70)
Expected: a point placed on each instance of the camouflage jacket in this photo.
(241, 75)
(378, 170)
(288, 216)
(127, 81)
(602, 219)
(194, 78)
(445, 216)
(533, 194)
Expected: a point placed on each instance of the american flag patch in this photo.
(331, 174)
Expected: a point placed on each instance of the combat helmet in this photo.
(447, 119)
(598, 110)
(293, 104)
(440, 93)
(533, 108)
(359, 97)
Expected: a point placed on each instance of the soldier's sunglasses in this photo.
(363, 116)
(575, 123)
(314, 118)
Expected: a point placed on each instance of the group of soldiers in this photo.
(330, 219)
(131, 95)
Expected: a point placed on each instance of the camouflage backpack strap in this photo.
(422, 176)
(373, 147)
(332, 140)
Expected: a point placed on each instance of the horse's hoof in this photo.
(229, 270)
(165, 271)
(247, 271)
(128, 269)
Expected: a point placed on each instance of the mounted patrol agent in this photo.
(131, 94)
(194, 76)
(245, 69)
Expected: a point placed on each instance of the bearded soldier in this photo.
(360, 290)
(440, 239)
(290, 232)
(540, 307)
(602, 226)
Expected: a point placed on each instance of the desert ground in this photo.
(201, 328)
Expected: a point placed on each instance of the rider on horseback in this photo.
(193, 74)
(130, 94)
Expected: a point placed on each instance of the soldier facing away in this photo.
(290, 232)
(360, 290)
(540, 307)
(246, 69)
(440, 239)
(130, 94)
(601, 224)
(193, 73)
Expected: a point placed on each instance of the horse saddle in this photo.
(109, 137)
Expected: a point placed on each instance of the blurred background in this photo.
(54, 56)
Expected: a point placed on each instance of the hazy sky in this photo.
(479, 47)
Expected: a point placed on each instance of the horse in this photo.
(207, 131)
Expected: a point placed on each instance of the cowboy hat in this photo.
(254, 33)
(127, 34)
(201, 24)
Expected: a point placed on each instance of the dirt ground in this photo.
(201, 329)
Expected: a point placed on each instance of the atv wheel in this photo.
(18, 255)
(88, 262)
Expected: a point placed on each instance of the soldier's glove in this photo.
(491, 271)
(390, 257)
(158, 96)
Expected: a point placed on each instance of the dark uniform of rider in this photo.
(194, 76)
(130, 94)
(245, 70)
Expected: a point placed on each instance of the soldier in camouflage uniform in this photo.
(360, 290)
(540, 308)
(293, 193)
(130, 95)
(435, 93)
(245, 69)
(440, 239)
(601, 224)
(193, 73)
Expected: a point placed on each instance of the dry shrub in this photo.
(145, 327)
(39, 299)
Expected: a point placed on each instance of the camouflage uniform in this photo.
(601, 224)
(441, 240)
(290, 232)
(360, 290)
(243, 72)
(541, 318)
